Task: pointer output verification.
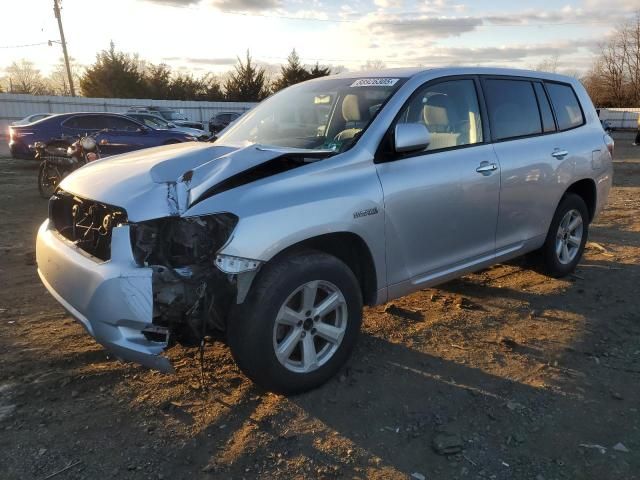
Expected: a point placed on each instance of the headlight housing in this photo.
(177, 242)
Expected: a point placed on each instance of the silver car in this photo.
(336, 193)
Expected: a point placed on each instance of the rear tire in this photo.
(285, 337)
(566, 238)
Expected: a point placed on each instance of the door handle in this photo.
(486, 168)
(559, 154)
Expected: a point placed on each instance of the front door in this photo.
(441, 204)
(123, 135)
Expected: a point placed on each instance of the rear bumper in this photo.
(113, 300)
(20, 150)
(604, 181)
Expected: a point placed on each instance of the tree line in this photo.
(116, 74)
(614, 78)
(612, 81)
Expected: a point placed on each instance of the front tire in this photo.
(48, 180)
(299, 323)
(567, 236)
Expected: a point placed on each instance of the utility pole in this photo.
(56, 11)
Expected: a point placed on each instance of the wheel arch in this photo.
(586, 189)
(351, 249)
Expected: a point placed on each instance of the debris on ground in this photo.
(447, 443)
(619, 447)
(594, 446)
(393, 309)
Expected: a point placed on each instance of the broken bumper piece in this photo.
(113, 300)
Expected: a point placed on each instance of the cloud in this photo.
(388, 3)
(225, 5)
(425, 27)
(246, 5)
(175, 3)
(508, 55)
(202, 61)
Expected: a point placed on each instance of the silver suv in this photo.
(335, 193)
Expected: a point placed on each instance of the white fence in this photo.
(621, 118)
(15, 106)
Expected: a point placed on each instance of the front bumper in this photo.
(113, 300)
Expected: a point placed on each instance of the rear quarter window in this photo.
(566, 105)
(546, 114)
(513, 108)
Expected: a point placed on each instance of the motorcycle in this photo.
(58, 159)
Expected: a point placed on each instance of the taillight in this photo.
(608, 141)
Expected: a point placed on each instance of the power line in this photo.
(26, 45)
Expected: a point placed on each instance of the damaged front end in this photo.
(192, 295)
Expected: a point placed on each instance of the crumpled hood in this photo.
(149, 183)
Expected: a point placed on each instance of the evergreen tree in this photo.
(317, 71)
(291, 73)
(247, 83)
(157, 81)
(114, 74)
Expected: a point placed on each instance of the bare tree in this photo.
(373, 65)
(23, 77)
(549, 64)
(614, 79)
(58, 82)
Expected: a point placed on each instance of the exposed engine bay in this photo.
(191, 297)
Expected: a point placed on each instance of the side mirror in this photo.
(411, 137)
(171, 125)
(143, 129)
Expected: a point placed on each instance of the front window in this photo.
(449, 110)
(327, 114)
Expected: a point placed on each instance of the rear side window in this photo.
(566, 106)
(548, 125)
(513, 109)
(86, 122)
(121, 124)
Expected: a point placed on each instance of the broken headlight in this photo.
(177, 242)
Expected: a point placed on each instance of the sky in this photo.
(208, 35)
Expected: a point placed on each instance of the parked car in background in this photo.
(221, 120)
(31, 118)
(169, 114)
(121, 133)
(278, 233)
(155, 121)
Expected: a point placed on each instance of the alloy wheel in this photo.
(569, 236)
(310, 326)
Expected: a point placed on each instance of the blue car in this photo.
(120, 133)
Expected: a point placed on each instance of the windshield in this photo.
(327, 114)
(153, 122)
(172, 115)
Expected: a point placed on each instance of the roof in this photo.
(450, 71)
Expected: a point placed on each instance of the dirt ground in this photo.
(513, 374)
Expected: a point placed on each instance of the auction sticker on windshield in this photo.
(374, 82)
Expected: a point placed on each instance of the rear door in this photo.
(80, 125)
(441, 204)
(523, 129)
